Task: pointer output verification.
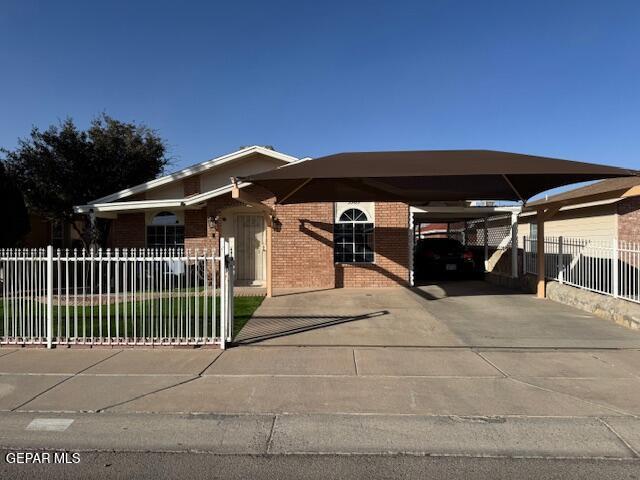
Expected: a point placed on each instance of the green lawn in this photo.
(160, 313)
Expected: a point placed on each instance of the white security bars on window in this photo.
(609, 267)
(116, 297)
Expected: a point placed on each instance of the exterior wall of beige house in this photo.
(616, 218)
(596, 222)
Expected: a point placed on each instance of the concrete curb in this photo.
(531, 437)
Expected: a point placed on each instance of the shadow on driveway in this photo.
(445, 288)
(266, 327)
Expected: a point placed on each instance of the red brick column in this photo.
(629, 219)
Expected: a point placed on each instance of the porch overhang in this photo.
(193, 202)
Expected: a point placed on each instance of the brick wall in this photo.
(128, 231)
(197, 233)
(302, 242)
(191, 185)
(629, 219)
(391, 247)
(303, 246)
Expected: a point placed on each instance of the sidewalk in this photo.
(273, 400)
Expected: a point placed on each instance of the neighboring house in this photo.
(45, 232)
(319, 245)
(432, 230)
(600, 211)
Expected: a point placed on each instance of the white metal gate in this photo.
(116, 297)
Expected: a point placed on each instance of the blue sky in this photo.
(558, 78)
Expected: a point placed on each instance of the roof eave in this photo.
(194, 170)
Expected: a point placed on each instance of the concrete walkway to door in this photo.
(445, 314)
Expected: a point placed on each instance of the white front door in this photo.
(250, 249)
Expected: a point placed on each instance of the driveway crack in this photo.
(620, 437)
(503, 373)
(271, 431)
(550, 390)
(355, 363)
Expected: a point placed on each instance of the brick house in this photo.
(313, 245)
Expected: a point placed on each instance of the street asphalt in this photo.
(154, 466)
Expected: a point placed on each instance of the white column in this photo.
(93, 234)
(514, 244)
(615, 253)
(560, 260)
(223, 292)
(412, 241)
(541, 288)
(486, 244)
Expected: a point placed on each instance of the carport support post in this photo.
(269, 256)
(541, 290)
(413, 228)
(514, 244)
(486, 244)
(615, 258)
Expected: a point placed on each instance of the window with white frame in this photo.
(353, 237)
(165, 231)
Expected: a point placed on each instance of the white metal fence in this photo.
(607, 267)
(119, 297)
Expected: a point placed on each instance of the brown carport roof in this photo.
(421, 176)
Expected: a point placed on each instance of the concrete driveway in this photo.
(444, 314)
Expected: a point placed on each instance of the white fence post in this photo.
(230, 302)
(615, 254)
(560, 261)
(49, 296)
(223, 292)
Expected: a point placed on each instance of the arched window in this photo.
(165, 231)
(353, 215)
(353, 237)
(165, 218)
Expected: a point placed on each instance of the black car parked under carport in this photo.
(439, 257)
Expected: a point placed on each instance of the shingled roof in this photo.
(602, 190)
